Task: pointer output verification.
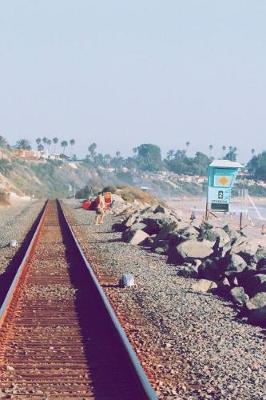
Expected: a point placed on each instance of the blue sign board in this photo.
(221, 178)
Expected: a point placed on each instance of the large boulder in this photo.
(244, 246)
(261, 266)
(260, 254)
(205, 226)
(232, 233)
(238, 295)
(161, 209)
(246, 279)
(119, 206)
(213, 268)
(256, 309)
(188, 232)
(191, 249)
(154, 223)
(203, 285)
(137, 226)
(135, 237)
(217, 233)
(248, 250)
(138, 237)
(236, 264)
(161, 246)
(256, 284)
(132, 219)
(164, 233)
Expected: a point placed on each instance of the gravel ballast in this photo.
(192, 344)
(15, 222)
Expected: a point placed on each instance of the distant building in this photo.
(54, 156)
(29, 155)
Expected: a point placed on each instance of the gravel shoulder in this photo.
(15, 222)
(192, 345)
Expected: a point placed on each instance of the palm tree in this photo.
(118, 154)
(40, 147)
(3, 142)
(55, 141)
(210, 149)
(72, 142)
(38, 141)
(64, 144)
(92, 150)
(187, 145)
(224, 150)
(23, 144)
(252, 152)
(231, 154)
(49, 142)
(107, 159)
(170, 154)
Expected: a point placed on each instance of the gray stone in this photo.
(189, 232)
(259, 283)
(260, 254)
(235, 265)
(238, 295)
(251, 247)
(203, 285)
(155, 223)
(194, 249)
(132, 219)
(160, 250)
(138, 237)
(252, 282)
(249, 250)
(256, 309)
(137, 225)
(213, 268)
(13, 243)
(261, 266)
(226, 249)
(166, 230)
(206, 226)
(224, 288)
(161, 209)
(217, 233)
(188, 271)
(232, 233)
(127, 280)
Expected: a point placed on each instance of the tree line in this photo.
(148, 157)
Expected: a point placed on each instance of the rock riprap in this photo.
(234, 263)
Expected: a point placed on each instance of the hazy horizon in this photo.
(121, 74)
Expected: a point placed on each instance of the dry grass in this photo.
(130, 194)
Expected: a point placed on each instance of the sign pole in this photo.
(206, 211)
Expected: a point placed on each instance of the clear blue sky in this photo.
(121, 73)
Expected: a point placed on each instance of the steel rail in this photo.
(141, 377)
(21, 269)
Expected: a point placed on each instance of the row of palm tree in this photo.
(45, 142)
(229, 149)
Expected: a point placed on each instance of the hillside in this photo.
(42, 178)
(61, 178)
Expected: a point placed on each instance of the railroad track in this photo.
(59, 337)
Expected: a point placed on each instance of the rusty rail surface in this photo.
(59, 337)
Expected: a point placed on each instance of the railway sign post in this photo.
(221, 178)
